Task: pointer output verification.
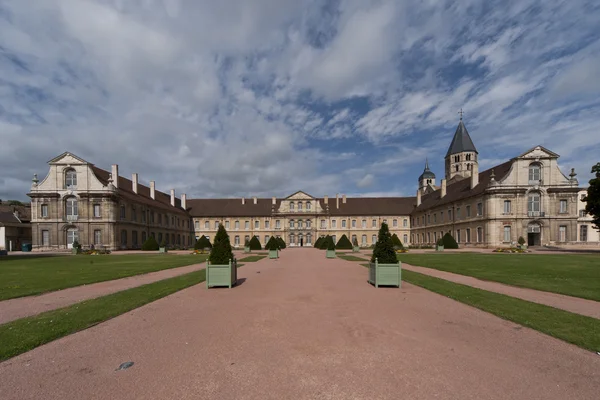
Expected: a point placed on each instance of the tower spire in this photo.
(461, 113)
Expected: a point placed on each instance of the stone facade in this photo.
(15, 226)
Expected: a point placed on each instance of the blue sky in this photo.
(264, 98)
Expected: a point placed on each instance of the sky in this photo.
(263, 98)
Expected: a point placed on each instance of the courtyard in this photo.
(305, 327)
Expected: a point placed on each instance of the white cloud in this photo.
(366, 181)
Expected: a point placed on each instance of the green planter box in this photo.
(273, 253)
(162, 249)
(355, 249)
(439, 248)
(246, 249)
(385, 274)
(221, 275)
(330, 253)
(75, 250)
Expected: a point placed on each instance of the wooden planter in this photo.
(274, 253)
(330, 253)
(162, 249)
(355, 249)
(221, 275)
(246, 249)
(385, 274)
(439, 248)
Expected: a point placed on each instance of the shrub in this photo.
(355, 242)
(384, 248)
(203, 243)
(449, 242)
(281, 242)
(272, 244)
(255, 244)
(440, 242)
(331, 244)
(343, 243)
(163, 243)
(521, 240)
(247, 243)
(324, 242)
(221, 252)
(150, 244)
(318, 242)
(397, 243)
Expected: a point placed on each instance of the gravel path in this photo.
(31, 305)
(576, 305)
(304, 327)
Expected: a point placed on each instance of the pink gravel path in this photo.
(304, 328)
(31, 305)
(576, 305)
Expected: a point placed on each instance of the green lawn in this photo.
(350, 257)
(570, 274)
(26, 276)
(24, 334)
(251, 258)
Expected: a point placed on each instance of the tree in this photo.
(325, 242)
(344, 243)
(221, 252)
(384, 248)
(318, 242)
(331, 244)
(150, 244)
(255, 243)
(203, 243)
(397, 243)
(521, 240)
(272, 244)
(449, 242)
(355, 242)
(592, 199)
(281, 242)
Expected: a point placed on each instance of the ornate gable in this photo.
(67, 158)
(538, 152)
(300, 195)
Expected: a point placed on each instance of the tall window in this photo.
(533, 203)
(292, 239)
(334, 223)
(308, 208)
(267, 224)
(354, 223)
(196, 225)
(456, 158)
(160, 237)
(143, 236)
(292, 205)
(134, 238)
(583, 233)
(226, 224)
(449, 215)
(434, 218)
(308, 224)
(507, 206)
(535, 173)
(71, 209)
(343, 223)
(479, 209)
(562, 233)
(468, 238)
(479, 234)
(216, 224)
(563, 206)
(395, 223)
(373, 239)
(457, 212)
(206, 225)
(246, 238)
(299, 206)
(507, 234)
(72, 236)
(468, 211)
(291, 224)
(122, 212)
(363, 240)
(364, 223)
(458, 236)
(405, 223)
(247, 225)
(308, 237)
(124, 237)
(45, 238)
(428, 237)
(70, 179)
(266, 238)
(236, 240)
(134, 214)
(277, 224)
(334, 237)
(44, 210)
(322, 224)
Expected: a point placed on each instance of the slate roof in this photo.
(426, 172)
(461, 141)
(161, 201)
(461, 189)
(372, 206)
(230, 207)
(7, 214)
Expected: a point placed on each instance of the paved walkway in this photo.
(576, 305)
(304, 327)
(31, 305)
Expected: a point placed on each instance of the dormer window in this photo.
(308, 205)
(299, 206)
(291, 205)
(70, 179)
(535, 173)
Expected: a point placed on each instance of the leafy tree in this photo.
(384, 248)
(344, 243)
(255, 243)
(449, 242)
(221, 251)
(592, 198)
(150, 244)
(203, 243)
(272, 244)
(281, 242)
(397, 243)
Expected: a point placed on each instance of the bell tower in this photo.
(426, 179)
(461, 157)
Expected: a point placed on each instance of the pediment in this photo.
(538, 152)
(300, 195)
(67, 158)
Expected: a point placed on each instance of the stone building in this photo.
(78, 201)
(15, 226)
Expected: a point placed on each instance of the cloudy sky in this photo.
(266, 97)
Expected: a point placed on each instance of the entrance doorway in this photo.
(72, 236)
(301, 242)
(534, 234)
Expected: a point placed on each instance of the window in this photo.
(563, 206)
(535, 173)
(456, 159)
(308, 206)
(479, 209)
(236, 240)
(583, 233)
(449, 215)
(323, 224)
(309, 237)
(434, 218)
(442, 216)
(334, 223)
(334, 238)
(266, 238)
(134, 214)
(277, 224)
(124, 237)
(385, 221)
(172, 221)
(374, 223)
(533, 203)
(374, 239)
(428, 218)
(70, 179)
(395, 223)
(562, 233)
(363, 240)
(97, 210)
(458, 236)
(507, 234)
(405, 223)
(216, 224)
(292, 205)
(134, 238)
(308, 224)
(72, 236)
(226, 224)
(44, 210)
(196, 225)
(364, 223)
(468, 211)
(507, 206)
(428, 237)
(45, 238)
(434, 237)
(456, 168)
(72, 211)
(354, 223)
(291, 224)
(160, 237)
(123, 212)
(299, 206)
(144, 215)
(97, 236)
(457, 212)
(143, 237)
(468, 235)
(256, 224)
(582, 213)
(343, 223)
(246, 239)
(267, 224)
(353, 239)
(423, 220)
(247, 225)
(405, 238)
(206, 225)
(479, 234)
(151, 217)
(468, 157)
(292, 238)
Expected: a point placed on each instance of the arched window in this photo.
(70, 179)
(533, 203)
(535, 173)
(456, 168)
(308, 205)
(291, 205)
(292, 239)
(299, 206)
(71, 209)
(124, 237)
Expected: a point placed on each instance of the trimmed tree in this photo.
(384, 248)
(592, 199)
(318, 242)
(449, 241)
(150, 244)
(281, 243)
(324, 242)
(397, 243)
(331, 244)
(344, 243)
(355, 242)
(221, 252)
(272, 244)
(255, 244)
(521, 240)
(203, 243)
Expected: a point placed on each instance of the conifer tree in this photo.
(282, 244)
(384, 248)
(397, 243)
(255, 244)
(272, 244)
(150, 244)
(344, 243)
(221, 252)
(203, 243)
(449, 242)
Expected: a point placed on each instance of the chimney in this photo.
(337, 201)
(134, 183)
(443, 192)
(243, 200)
(326, 199)
(254, 199)
(474, 175)
(152, 188)
(274, 200)
(418, 197)
(173, 197)
(115, 175)
(184, 201)
(344, 199)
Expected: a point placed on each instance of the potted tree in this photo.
(247, 246)
(384, 268)
(281, 243)
(273, 247)
(521, 242)
(330, 247)
(150, 244)
(355, 248)
(202, 244)
(221, 267)
(439, 246)
(254, 244)
(76, 247)
(343, 243)
(163, 247)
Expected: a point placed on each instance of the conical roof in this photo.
(426, 172)
(461, 141)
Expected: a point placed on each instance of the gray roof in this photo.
(426, 172)
(461, 141)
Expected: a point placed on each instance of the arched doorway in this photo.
(72, 236)
(534, 234)
(300, 240)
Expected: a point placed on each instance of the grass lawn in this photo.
(24, 334)
(350, 257)
(573, 328)
(571, 274)
(26, 276)
(251, 258)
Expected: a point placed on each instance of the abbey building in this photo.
(527, 196)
